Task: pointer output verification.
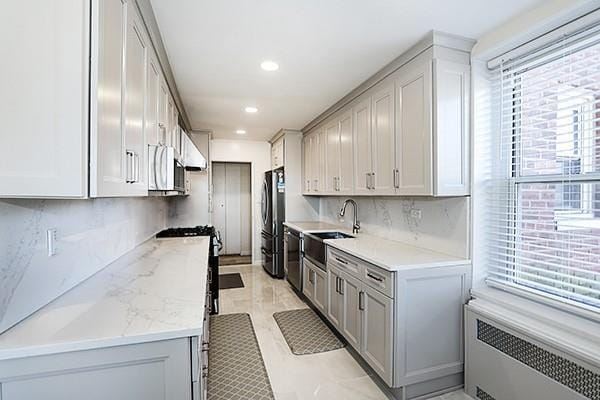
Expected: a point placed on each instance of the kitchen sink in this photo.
(331, 235)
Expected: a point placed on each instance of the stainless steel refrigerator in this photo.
(273, 216)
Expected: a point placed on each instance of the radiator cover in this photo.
(561, 370)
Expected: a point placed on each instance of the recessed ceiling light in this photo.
(251, 110)
(269, 65)
(240, 132)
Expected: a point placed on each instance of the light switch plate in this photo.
(51, 241)
(415, 213)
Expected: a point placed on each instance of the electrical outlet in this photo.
(51, 241)
(415, 213)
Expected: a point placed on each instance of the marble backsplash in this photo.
(443, 225)
(90, 235)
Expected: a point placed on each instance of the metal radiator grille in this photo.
(566, 372)
(482, 395)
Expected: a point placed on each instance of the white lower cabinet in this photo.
(315, 285)
(150, 371)
(377, 331)
(407, 325)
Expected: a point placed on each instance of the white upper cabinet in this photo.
(382, 139)
(277, 153)
(361, 115)
(84, 105)
(118, 144)
(332, 149)
(413, 129)
(432, 127)
(337, 137)
(108, 164)
(152, 87)
(43, 106)
(346, 175)
(451, 81)
(306, 164)
(134, 104)
(409, 131)
(163, 96)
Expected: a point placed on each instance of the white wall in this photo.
(194, 209)
(259, 155)
(90, 235)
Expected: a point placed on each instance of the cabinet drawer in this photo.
(344, 262)
(379, 279)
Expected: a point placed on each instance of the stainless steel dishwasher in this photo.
(292, 257)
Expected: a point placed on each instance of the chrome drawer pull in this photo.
(375, 278)
(341, 261)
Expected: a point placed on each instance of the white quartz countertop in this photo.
(392, 255)
(387, 254)
(155, 292)
(313, 226)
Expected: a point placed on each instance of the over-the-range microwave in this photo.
(166, 171)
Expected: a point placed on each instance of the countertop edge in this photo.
(75, 346)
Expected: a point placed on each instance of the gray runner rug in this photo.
(305, 333)
(236, 367)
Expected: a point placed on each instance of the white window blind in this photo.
(544, 222)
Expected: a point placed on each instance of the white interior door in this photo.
(219, 184)
(233, 211)
(232, 205)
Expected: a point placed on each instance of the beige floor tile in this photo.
(334, 375)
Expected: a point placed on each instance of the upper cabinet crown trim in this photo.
(433, 38)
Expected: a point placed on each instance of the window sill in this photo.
(575, 335)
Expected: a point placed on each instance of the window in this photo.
(545, 196)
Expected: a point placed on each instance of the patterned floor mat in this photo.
(236, 367)
(305, 333)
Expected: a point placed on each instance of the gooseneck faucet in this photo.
(355, 224)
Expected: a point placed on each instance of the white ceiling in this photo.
(324, 48)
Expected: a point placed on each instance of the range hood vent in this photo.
(193, 160)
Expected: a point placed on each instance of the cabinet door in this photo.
(43, 106)
(335, 301)
(383, 141)
(451, 144)
(351, 324)
(306, 164)
(361, 115)
(170, 121)
(151, 371)
(316, 165)
(332, 150)
(163, 96)
(152, 90)
(308, 285)
(377, 333)
(346, 155)
(109, 165)
(134, 103)
(413, 129)
(321, 289)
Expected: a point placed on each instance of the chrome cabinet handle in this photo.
(129, 167)
(372, 180)
(137, 167)
(361, 300)
(396, 178)
(341, 291)
(375, 278)
(341, 261)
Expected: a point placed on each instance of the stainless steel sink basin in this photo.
(331, 235)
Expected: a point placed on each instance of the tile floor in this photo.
(332, 375)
